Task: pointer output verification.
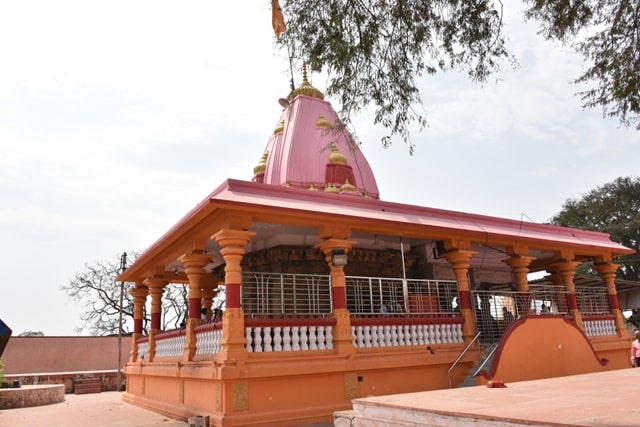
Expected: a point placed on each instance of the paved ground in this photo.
(86, 410)
(601, 399)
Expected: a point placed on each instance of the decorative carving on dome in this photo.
(331, 188)
(323, 123)
(347, 186)
(279, 128)
(260, 168)
(312, 187)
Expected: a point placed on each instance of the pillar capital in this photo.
(520, 266)
(459, 257)
(231, 237)
(516, 261)
(155, 282)
(139, 292)
(327, 246)
(606, 269)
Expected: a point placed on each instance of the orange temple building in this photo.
(333, 294)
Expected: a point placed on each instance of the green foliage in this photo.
(612, 208)
(373, 51)
(1, 372)
(607, 33)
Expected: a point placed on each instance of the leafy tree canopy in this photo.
(612, 208)
(373, 51)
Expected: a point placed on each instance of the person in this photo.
(203, 313)
(507, 315)
(635, 350)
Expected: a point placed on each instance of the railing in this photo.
(599, 325)
(265, 294)
(288, 334)
(405, 331)
(170, 344)
(592, 301)
(461, 355)
(208, 338)
(377, 295)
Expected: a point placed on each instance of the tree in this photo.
(612, 208)
(373, 52)
(31, 334)
(607, 33)
(99, 293)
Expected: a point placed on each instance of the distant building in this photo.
(333, 294)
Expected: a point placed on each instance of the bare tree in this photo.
(96, 289)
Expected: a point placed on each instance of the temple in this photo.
(333, 294)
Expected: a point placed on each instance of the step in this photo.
(87, 385)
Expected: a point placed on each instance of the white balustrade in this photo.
(285, 338)
(406, 335)
(599, 327)
(170, 347)
(143, 349)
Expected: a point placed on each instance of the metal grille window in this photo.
(592, 301)
(374, 295)
(286, 294)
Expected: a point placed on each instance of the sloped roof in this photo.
(265, 201)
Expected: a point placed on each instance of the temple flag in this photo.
(277, 21)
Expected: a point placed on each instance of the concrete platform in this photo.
(602, 399)
(31, 395)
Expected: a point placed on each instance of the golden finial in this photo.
(312, 187)
(331, 188)
(336, 157)
(262, 165)
(323, 123)
(347, 186)
(279, 128)
(305, 88)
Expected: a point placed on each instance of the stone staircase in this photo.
(87, 385)
(487, 360)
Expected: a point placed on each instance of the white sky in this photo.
(117, 117)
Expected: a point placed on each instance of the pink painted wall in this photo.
(63, 354)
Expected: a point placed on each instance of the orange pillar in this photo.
(139, 294)
(607, 271)
(520, 266)
(567, 270)
(232, 243)
(194, 264)
(156, 289)
(459, 261)
(342, 336)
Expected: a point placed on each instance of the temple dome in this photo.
(311, 149)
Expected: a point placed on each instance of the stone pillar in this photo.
(208, 293)
(156, 289)
(459, 261)
(232, 243)
(194, 264)
(520, 266)
(567, 271)
(342, 336)
(607, 271)
(139, 294)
